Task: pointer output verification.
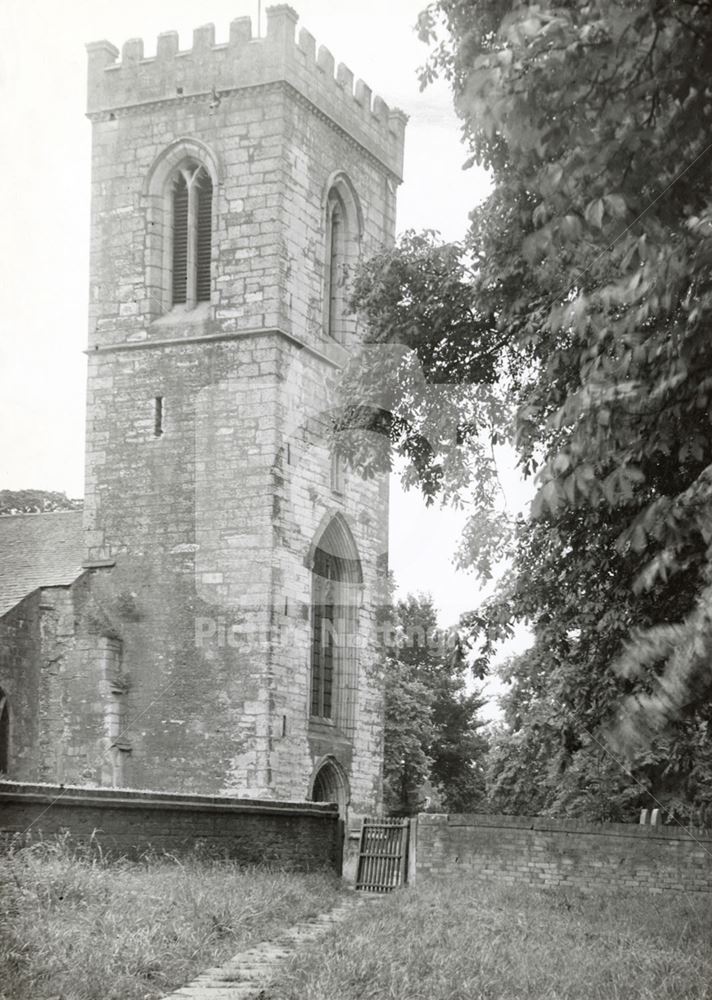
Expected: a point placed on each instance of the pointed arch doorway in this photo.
(330, 784)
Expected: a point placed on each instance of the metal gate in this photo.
(383, 854)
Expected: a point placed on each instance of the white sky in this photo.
(44, 176)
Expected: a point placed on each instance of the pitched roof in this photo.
(38, 550)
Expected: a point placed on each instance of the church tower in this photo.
(235, 562)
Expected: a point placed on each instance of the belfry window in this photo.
(335, 264)
(192, 200)
(182, 214)
(343, 226)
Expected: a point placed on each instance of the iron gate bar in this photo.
(383, 854)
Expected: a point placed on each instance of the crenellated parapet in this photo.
(244, 61)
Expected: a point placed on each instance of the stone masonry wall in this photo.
(20, 674)
(305, 503)
(189, 516)
(275, 123)
(55, 706)
(559, 853)
(199, 537)
(301, 837)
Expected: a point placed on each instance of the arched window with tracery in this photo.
(336, 587)
(343, 233)
(192, 201)
(180, 192)
(325, 626)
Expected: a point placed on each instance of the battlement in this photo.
(242, 62)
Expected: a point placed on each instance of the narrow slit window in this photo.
(337, 471)
(158, 416)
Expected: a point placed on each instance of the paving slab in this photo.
(249, 972)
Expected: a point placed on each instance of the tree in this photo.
(543, 761)
(433, 732)
(587, 281)
(35, 502)
(408, 733)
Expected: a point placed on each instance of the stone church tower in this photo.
(234, 564)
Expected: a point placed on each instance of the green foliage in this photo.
(432, 727)
(35, 502)
(543, 762)
(587, 276)
(409, 732)
(428, 380)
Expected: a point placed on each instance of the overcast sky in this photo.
(44, 235)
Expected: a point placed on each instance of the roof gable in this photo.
(38, 550)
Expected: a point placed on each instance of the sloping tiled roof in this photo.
(38, 550)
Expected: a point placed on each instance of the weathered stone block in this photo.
(191, 408)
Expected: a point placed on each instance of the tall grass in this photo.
(460, 941)
(74, 926)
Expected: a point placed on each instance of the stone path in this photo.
(247, 974)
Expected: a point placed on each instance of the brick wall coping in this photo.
(547, 824)
(78, 795)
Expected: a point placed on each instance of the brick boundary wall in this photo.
(300, 836)
(553, 852)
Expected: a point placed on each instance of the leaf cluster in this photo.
(433, 735)
(36, 502)
(574, 323)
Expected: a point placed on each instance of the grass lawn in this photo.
(81, 928)
(458, 941)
